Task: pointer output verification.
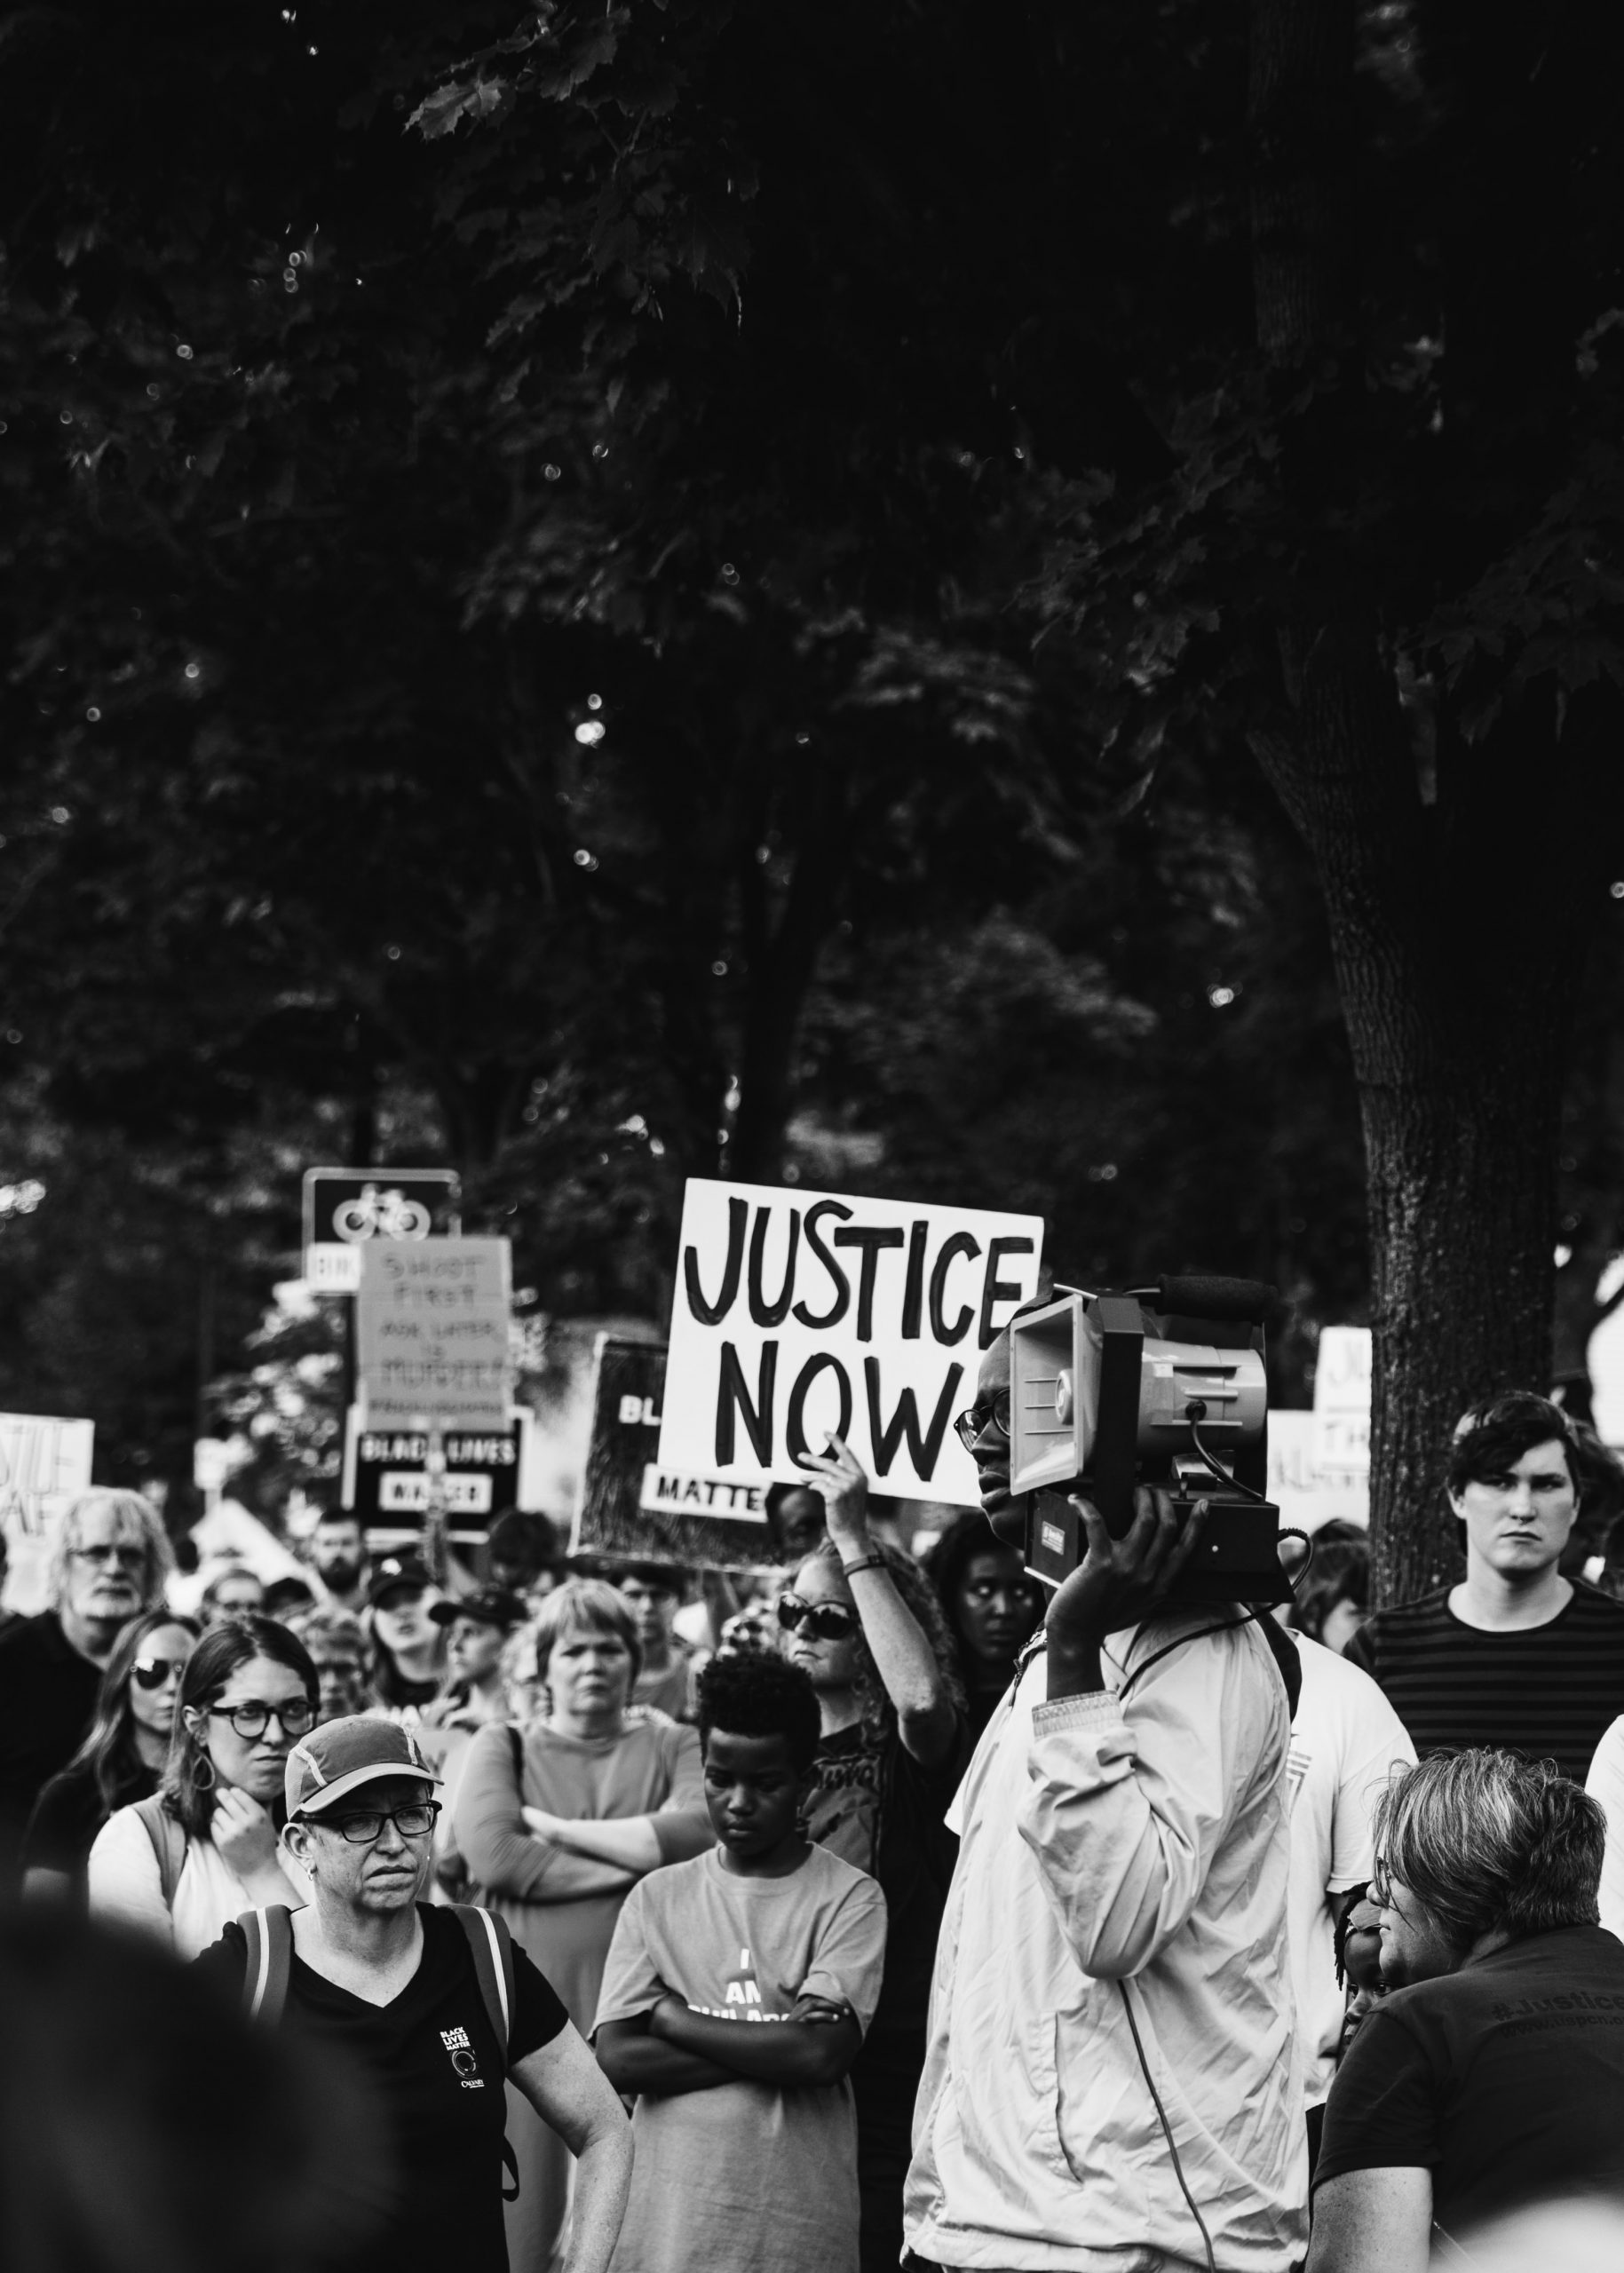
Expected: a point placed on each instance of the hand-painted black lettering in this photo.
(733, 1398)
(871, 1238)
(913, 1290)
(762, 1310)
(795, 1417)
(842, 1302)
(996, 1289)
(713, 1313)
(885, 1436)
(958, 1243)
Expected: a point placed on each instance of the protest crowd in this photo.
(580, 1911)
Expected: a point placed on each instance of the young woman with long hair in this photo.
(122, 1757)
(183, 1864)
(865, 1624)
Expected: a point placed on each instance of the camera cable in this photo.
(1166, 2128)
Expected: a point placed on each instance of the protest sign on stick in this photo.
(799, 1312)
(432, 1333)
(629, 1507)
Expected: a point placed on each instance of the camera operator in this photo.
(1112, 2074)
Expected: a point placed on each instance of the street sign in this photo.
(346, 1207)
(432, 1333)
(386, 1474)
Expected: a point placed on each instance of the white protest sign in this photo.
(799, 1312)
(432, 1332)
(42, 1462)
(1342, 1402)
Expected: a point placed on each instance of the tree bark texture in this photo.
(1459, 906)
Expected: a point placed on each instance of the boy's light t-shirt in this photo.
(745, 2178)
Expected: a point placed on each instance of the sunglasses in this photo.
(831, 1622)
(152, 1672)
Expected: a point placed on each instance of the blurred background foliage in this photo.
(594, 595)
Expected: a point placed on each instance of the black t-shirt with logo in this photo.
(440, 2074)
(1505, 2080)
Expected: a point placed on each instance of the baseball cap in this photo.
(398, 1574)
(339, 1756)
(490, 1606)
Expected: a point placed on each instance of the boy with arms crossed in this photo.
(736, 1991)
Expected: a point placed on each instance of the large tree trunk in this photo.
(1459, 901)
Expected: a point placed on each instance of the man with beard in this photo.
(338, 1558)
(111, 1562)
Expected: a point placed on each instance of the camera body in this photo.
(1165, 1387)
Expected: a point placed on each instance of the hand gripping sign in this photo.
(801, 1312)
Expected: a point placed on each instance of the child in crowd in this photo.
(746, 2139)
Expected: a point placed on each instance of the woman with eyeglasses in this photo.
(861, 1621)
(185, 1863)
(121, 1759)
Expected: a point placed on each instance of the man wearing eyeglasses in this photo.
(111, 1561)
(390, 1985)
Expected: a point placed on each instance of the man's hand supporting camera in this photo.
(1119, 1582)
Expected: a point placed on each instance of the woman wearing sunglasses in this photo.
(204, 1849)
(864, 1624)
(121, 1759)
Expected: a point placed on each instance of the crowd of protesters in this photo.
(1094, 1929)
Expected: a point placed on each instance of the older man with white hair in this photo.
(111, 1562)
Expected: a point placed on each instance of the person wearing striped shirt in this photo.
(1515, 1654)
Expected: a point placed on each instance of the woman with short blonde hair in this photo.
(557, 1822)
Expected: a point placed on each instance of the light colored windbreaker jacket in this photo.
(1138, 1847)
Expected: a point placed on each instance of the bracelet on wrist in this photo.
(865, 1563)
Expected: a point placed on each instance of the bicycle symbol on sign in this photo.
(381, 1216)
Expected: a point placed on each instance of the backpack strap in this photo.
(269, 1936)
(491, 1946)
(168, 1843)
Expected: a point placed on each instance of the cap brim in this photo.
(379, 1773)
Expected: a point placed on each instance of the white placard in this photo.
(44, 1462)
(432, 1332)
(799, 1312)
(669, 1492)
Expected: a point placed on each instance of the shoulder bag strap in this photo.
(168, 1844)
(269, 1936)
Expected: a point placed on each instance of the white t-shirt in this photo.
(127, 1887)
(1605, 1784)
(1345, 1741)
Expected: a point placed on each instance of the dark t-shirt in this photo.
(1548, 1691)
(1506, 2080)
(439, 2071)
(69, 1814)
(873, 1804)
(47, 1696)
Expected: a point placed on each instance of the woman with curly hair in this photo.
(864, 1623)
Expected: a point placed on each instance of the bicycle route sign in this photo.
(345, 1209)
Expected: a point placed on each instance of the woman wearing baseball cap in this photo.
(369, 1969)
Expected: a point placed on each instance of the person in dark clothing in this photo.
(992, 1608)
(1515, 1654)
(390, 1985)
(111, 1562)
(864, 1624)
(1493, 2074)
(120, 1761)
